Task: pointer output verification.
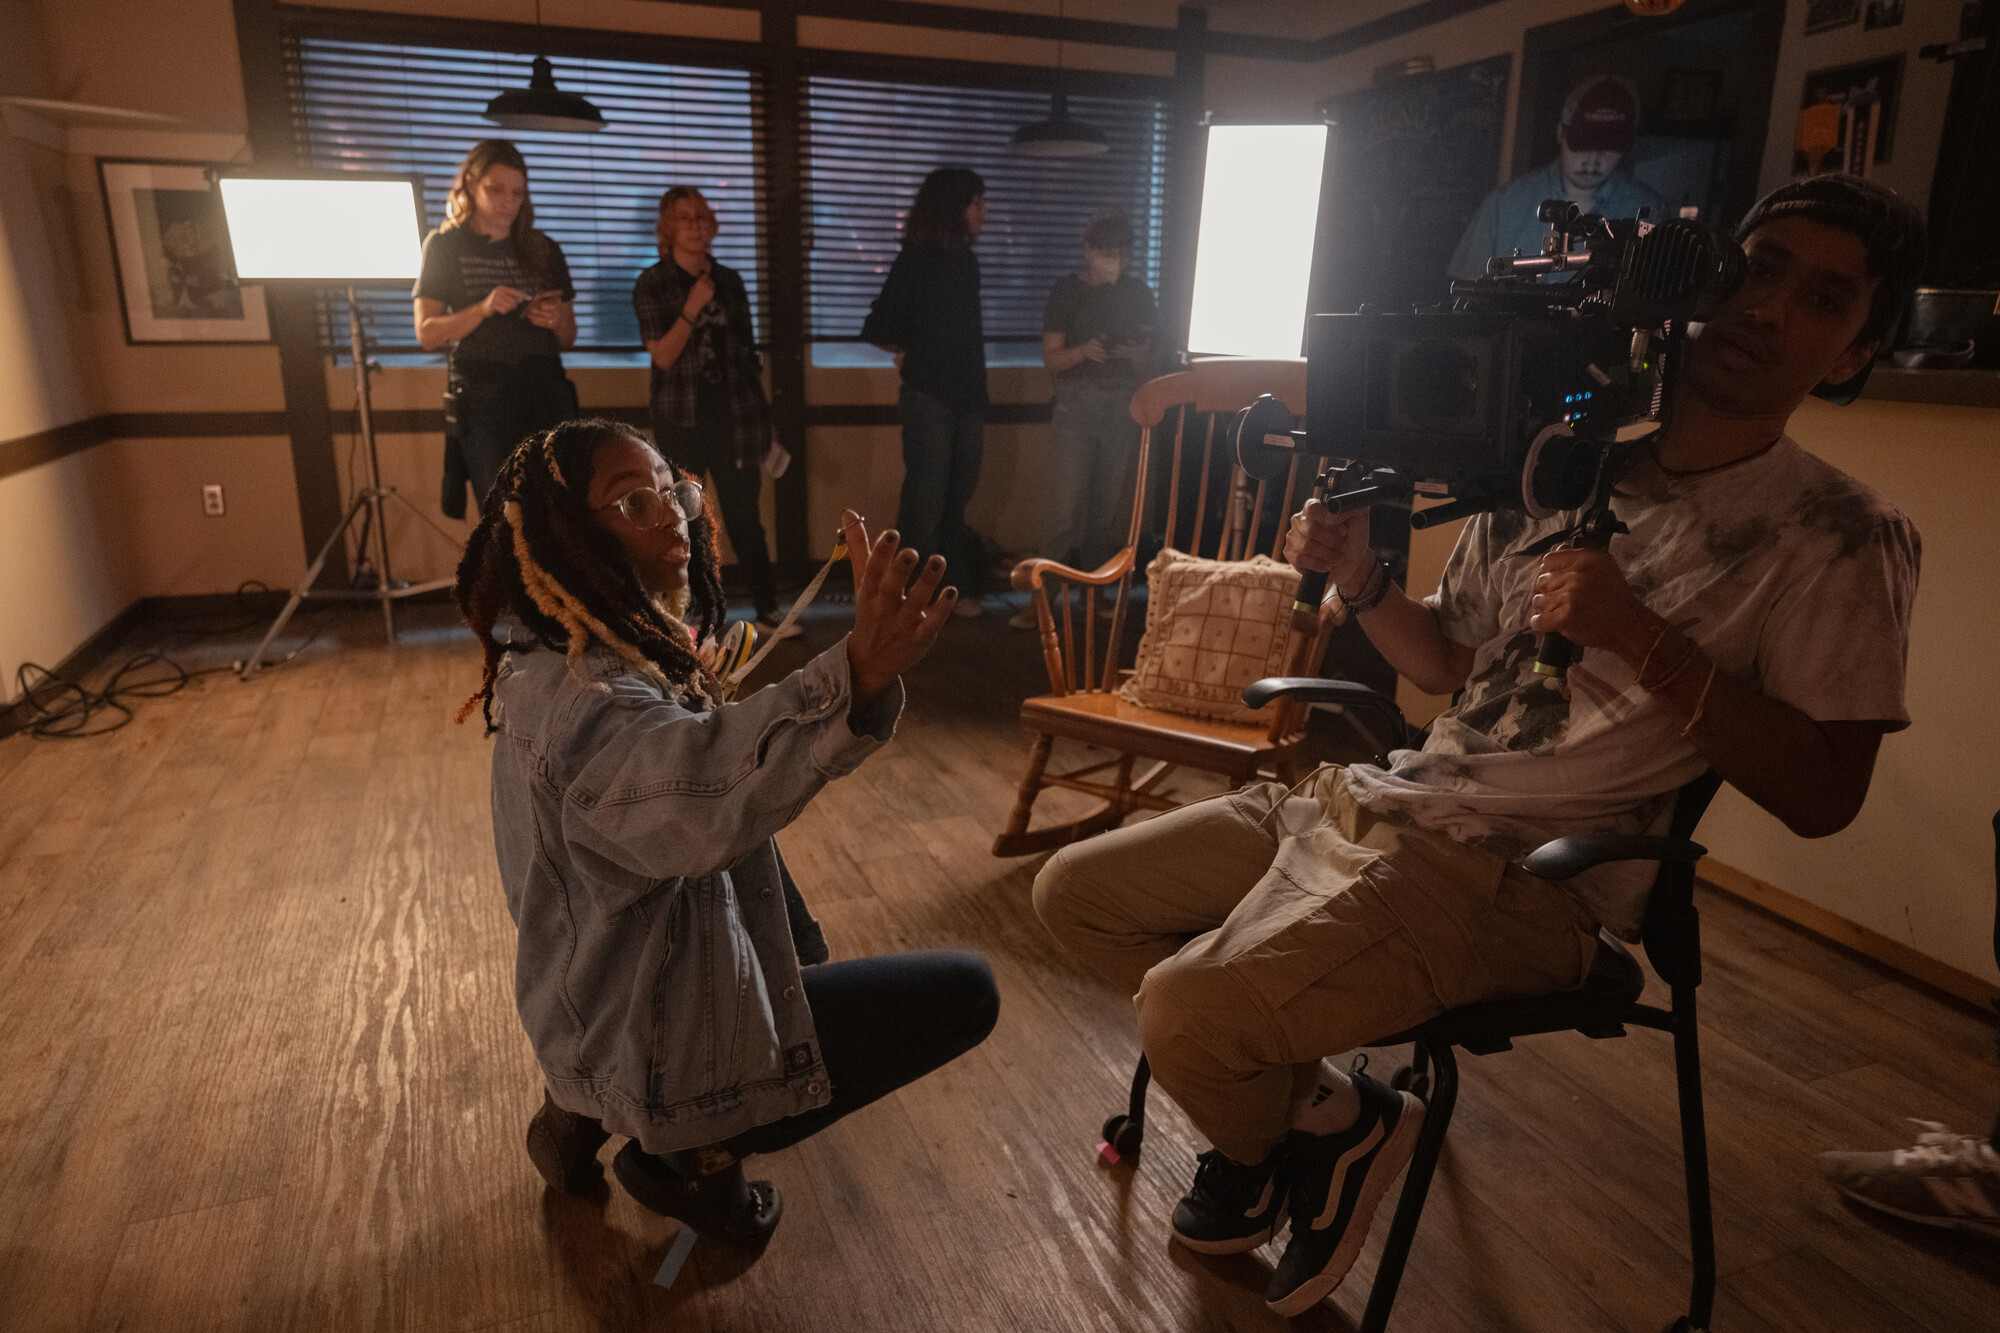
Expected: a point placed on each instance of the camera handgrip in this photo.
(1556, 655)
(1312, 591)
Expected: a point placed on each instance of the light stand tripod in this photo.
(367, 506)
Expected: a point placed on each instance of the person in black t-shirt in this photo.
(497, 292)
(709, 410)
(928, 316)
(1096, 334)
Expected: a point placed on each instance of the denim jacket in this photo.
(656, 971)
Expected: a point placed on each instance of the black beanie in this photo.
(1891, 233)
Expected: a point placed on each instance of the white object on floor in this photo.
(677, 1255)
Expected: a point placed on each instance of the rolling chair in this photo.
(1603, 1006)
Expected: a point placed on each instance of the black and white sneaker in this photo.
(1231, 1208)
(1336, 1182)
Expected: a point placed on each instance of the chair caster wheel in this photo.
(1407, 1079)
(1683, 1325)
(1125, 1134)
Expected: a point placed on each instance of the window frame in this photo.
(972, 76)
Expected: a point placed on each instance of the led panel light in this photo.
(324, 230)
(1260, 197)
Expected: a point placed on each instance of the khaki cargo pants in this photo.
(1263, 930)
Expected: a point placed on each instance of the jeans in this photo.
(705, 448)
(884, 1022)
(942, 448)
(1093, 451)
(496, 414)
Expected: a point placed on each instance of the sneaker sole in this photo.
(1973, 1225)
(1234, 1245)
(1393, 1156)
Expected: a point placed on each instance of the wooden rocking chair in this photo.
(1083, 704)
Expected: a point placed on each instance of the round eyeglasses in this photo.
(646, 508)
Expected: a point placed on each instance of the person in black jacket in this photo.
(709, 410)
(498, 293)
(928, 317)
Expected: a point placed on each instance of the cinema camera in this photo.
(1526, 394)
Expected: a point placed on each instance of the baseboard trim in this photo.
(1849, 935)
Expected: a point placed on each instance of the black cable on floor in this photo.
(65, 711)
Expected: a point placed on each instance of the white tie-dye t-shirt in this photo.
(1794, 578)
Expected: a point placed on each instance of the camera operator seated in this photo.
(1753, 620)
(660, 940)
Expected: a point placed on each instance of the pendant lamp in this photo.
(543, 106)
(1060, 135)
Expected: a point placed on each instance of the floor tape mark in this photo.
(677, 1254)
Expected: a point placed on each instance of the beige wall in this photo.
(62, 566)
(1917, 865)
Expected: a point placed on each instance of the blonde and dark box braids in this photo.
(540, 552)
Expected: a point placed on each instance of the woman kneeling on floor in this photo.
(661, 939)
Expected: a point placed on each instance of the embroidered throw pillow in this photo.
(1212, 627)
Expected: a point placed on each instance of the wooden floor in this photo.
(260, 1068)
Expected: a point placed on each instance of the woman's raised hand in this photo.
(699, 296)
(895, 621)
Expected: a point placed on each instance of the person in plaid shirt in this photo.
(709, 410)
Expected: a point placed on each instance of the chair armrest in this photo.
(1313, 690)
(1580, 851)
(1028, 574)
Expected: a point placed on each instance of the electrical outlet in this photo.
(211, 500)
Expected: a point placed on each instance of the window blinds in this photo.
(373, 107)
(870, 143)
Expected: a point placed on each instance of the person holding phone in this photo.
(1097, 332)
(710, 415)
(497, 293)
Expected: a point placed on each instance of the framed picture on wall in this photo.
(1822, 15)
(170, 249)
(1847, 117)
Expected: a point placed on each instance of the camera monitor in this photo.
(1260, 197)
(337, 228)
